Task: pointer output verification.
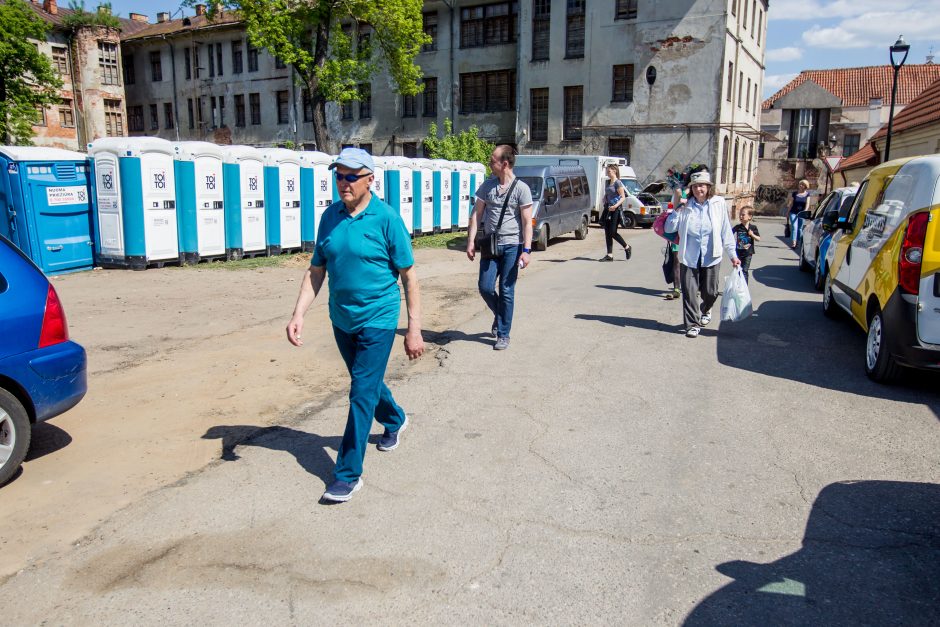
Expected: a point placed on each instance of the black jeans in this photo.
(610, 220)
(695, 280)
(745, 265)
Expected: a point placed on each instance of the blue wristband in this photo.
(527, 250)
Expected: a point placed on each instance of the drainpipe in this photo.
(451, 78)
(176, 107)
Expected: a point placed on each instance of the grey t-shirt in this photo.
(493, 196)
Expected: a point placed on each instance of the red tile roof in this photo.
(128, 27)
(865, 156)
(924, 109)
(855, 86)
(186, 24)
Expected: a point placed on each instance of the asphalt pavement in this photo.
(604, 470)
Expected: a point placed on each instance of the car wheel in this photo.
(830, 309)
(582, 231)
(14, 435)
(804, 265)
(629, 220)
(542, 242)
(880, 365)
(820, 274)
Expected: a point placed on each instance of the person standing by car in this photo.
(514, 233)
(704, 228)
(798, 200)
(745, 235)
(614, 197)
(363, 246)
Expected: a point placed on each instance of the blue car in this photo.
(42, 372)
(816, 234)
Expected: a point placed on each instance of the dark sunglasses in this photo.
(350, 178)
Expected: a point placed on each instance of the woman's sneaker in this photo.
(341, 491)
(692, 332)
(606, 258)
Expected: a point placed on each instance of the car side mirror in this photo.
(805, 214)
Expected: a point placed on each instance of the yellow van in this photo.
(883, 266)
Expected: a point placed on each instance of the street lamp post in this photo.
(900, 47)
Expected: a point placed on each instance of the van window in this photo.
(587, 188)
(564, 186)
(534, 183)
(632, 186)
(551, 193)
(576, 186)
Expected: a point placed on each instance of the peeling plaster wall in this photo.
(53, 134)
(90, 91)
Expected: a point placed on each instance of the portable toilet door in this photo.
(243, 188)
(282, 199)
(378, 182)
(399, 188)
(425, 196)
(322, 188)
(135, 196)
(461, 191)
(477, 176)
(443, 184)
(200, 200)
(44, 199)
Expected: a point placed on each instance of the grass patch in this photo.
(441, 240)
(294, 260)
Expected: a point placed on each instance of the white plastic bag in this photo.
(736, 298)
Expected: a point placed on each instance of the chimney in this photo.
(104, 9)
(162, 17)
(200, 9)
(139, 17)
(50, 7)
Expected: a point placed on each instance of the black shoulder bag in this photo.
(489, 248)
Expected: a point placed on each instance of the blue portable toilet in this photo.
(46, 208)
(399, 187)
(317, 177)
(424, 196)
(443, 170)
(461, 194)
(200, 200)
(243, 188)
(134, 187)
(282, 199)
(477, 176)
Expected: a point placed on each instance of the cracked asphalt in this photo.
(604, 470)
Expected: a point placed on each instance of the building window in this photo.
(753, 16)
(60, 60)
(850, 144)
(623, 83)
(366, 147)
(743, 16)
(760, 150)
(747, 94)
(488, 25)
(308, 106)
(541, 29)
(625, 10)
(804, 126)
(409, 149)
(429, 21)
(283, 114)
(66, 115)
(365, 101)
(192, 119)
(240, 110)
(113, 119)
(734, 7)
(279, 65)
(252, 58)
(188, 62)
(254, 104)
(156, 67)
(154, 118)
(755, 98)
(135, 119)
(574, 30)
(211, 58)
(619, 147)
(218, 58)
(41, 114)
(127, 63)
(488, 91)
(218, 111)
(108, 62)
(409, 106)
(168, 121)
(364, 47)
(574, 113)
(734, 166)
(237, 56)
(725, 151)
(346, 110)
(740, 87)
(760, 25)
(430, 97)
(538, 114)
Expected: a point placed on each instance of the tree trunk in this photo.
(318, 102)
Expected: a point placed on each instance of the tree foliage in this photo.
(27, 80)
(465, 146)
(81, 17)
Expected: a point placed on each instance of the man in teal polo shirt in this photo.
(363, 246)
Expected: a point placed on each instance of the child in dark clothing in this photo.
(745, 235)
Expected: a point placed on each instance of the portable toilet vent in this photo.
(462, 194)
(424, 196)
(200, 201)
(316, 192)
(399, 187)
(443, 194)
(282, 199)
(243, 183)
(135, 196)
(44, 200)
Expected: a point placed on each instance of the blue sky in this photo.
(801, 34)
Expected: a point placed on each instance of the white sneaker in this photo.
(692, 332)
(706, 318)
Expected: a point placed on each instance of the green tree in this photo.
(308, 35)
(27, 80)
(81, 17)
(465, 146)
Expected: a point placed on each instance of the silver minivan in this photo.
(561, 201)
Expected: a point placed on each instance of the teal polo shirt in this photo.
(363, 255)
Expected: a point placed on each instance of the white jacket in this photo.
(722, 235)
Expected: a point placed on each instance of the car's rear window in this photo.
(5, 242)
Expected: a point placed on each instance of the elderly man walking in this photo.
(363, 246)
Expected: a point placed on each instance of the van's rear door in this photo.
(928, 300)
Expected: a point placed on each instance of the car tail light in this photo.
(669, 205)
(912, 253)
(54, 327)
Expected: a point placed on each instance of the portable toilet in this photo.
(399, 187)
(243, 190)
(282, 199)
(378, 184)
(200, 204)
(477, 176)
(461, 194)
(442, 172)
(424, 196)
(316, 194)
(44, 200)
(134, 187)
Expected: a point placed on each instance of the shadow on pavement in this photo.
(309, 449)
(870, 556)
(637, 323)
(643, 291)
(444, 338)
(46, 438)
(786, 277)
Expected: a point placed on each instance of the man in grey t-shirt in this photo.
(514, 238)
